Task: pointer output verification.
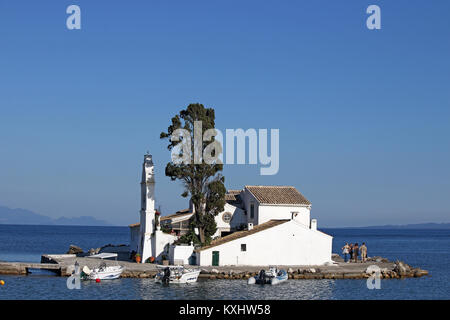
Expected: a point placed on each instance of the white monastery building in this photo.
(260, 226)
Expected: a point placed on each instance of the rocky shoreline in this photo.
(338, 269)
(398, 271)
(401, 270)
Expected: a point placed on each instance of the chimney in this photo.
(249, 226)
(313, 224)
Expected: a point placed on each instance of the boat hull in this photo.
(269, 278)
(110, 273)
(185, 277)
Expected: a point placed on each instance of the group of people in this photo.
(353, 251)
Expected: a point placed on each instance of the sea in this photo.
(427, 249)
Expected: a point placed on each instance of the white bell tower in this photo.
(147, 208)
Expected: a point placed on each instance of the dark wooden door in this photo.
(215, 258)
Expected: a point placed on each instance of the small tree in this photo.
(201, 179)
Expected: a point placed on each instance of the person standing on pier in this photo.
(350, 251)
(345, 251)
(363, 252)
(355, 252)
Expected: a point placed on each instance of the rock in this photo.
(73, 249)
(369, 270)
(312, 270)
(377, 259)
(214, 271)
(402, 269)
(93, 251)
(419, 273)
(290, 270)
(204, 271)
(337, 258)
(70, 269)
(353, 276)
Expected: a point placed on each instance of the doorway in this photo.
(215, 258)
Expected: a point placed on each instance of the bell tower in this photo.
(147, 207)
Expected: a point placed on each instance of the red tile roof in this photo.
(277, 195)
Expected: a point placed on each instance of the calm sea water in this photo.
(428, 249)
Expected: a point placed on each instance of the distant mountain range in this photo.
(430, 225)
(23, 216)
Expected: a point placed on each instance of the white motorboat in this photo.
(176, 274)
(102, 272)
(272, 276)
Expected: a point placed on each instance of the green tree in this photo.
(202, 180)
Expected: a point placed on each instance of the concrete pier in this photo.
(23, 268)
(64, 264)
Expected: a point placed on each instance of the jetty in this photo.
(63, 265)
(24, 268)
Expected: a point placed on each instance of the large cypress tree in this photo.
(203, 182)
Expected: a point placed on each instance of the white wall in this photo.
(287, 244)
(183, 217)
(237, 219)
(248, 198)
(264, 212)
(270, 212)
(160, 245)
(180, 253)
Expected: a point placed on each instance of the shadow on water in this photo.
(41, 272)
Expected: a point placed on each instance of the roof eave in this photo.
(285, 204)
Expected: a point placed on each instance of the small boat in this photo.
(272, 276)
(176, 274)
(102, 272)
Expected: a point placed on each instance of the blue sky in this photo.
(364, 116)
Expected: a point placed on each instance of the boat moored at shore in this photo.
(102, 272)
(272, 276)
(176, 274)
